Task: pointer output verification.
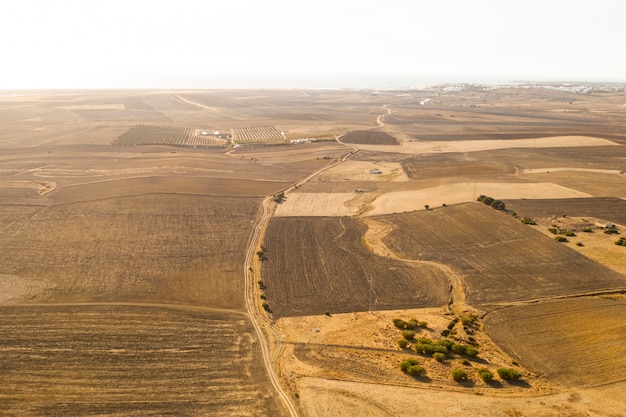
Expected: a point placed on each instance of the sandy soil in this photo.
(361, 171)
(597, 245)
(485, 145)
(347, 204)
(325, 397)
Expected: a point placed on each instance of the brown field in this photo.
(317, 265)
(123, 269)
(570, 341)
(369, 137)
(119, 360)
(497, 258)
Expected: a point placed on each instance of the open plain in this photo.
(173, 253)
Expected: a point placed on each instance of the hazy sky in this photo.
(314, 43)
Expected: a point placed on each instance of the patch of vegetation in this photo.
(560, 239)
(262, 285)
(621, 241)
(408, 334)
(485, 374)
(439, 357)
(278, 198)
(263, 296)
(458, 375)
(399, 323)
(553, 230)
(586, 230)
(424, 348)
(509, 374)
(568, 233)
(489, 201)
(403, 343)
(527, 220)
(579, 244)
(412, 367)
(611, 231)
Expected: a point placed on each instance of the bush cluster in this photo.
(621, 241)
(508, 374)
(496, 204)
(409, 325)
(412, 367)
(527, 220)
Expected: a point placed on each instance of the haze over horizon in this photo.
(325, 44)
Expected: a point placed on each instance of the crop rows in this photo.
(165, 135)
(263, 134)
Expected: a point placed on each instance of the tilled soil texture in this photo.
(572, 341)
(497, 258)
(130, 360)
(315, 265)
(153, 248)
(369, 137)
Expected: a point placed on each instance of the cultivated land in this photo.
(136, 254)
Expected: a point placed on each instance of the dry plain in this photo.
(122, 276)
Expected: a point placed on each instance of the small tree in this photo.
(426, 206)
(408, 334)
(439, 357)
(498, 205)
(403, 343)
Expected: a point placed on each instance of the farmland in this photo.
(500, 259)
(121, 258)
(165, 135)
(317, 265)
(258, 135)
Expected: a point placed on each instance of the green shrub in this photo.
(579, 244)
(459, 349)
(440, 349)
(458, 375)
(487, 200)
(560, 239)
(405, 364)
(621, 241)
(465, 362)
(438, 356)
(425, 340)
(485, 374)
(424, 348)
(445, 342)
(611, 231)
(266, 306)
(415, 370)
(399, 323)
(261, 285)
(471, 352)
(403, 343)
(569, 233)
(411, 324)
(509, 374)
(423, 324)
(263, 297)
(552, 230)
(527, 220)
(587, 230)
(408, 334)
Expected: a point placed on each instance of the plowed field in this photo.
(498, 258)
(572, 341)
(316, 265)
(125, 360)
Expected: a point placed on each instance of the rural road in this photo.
(249, 275)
